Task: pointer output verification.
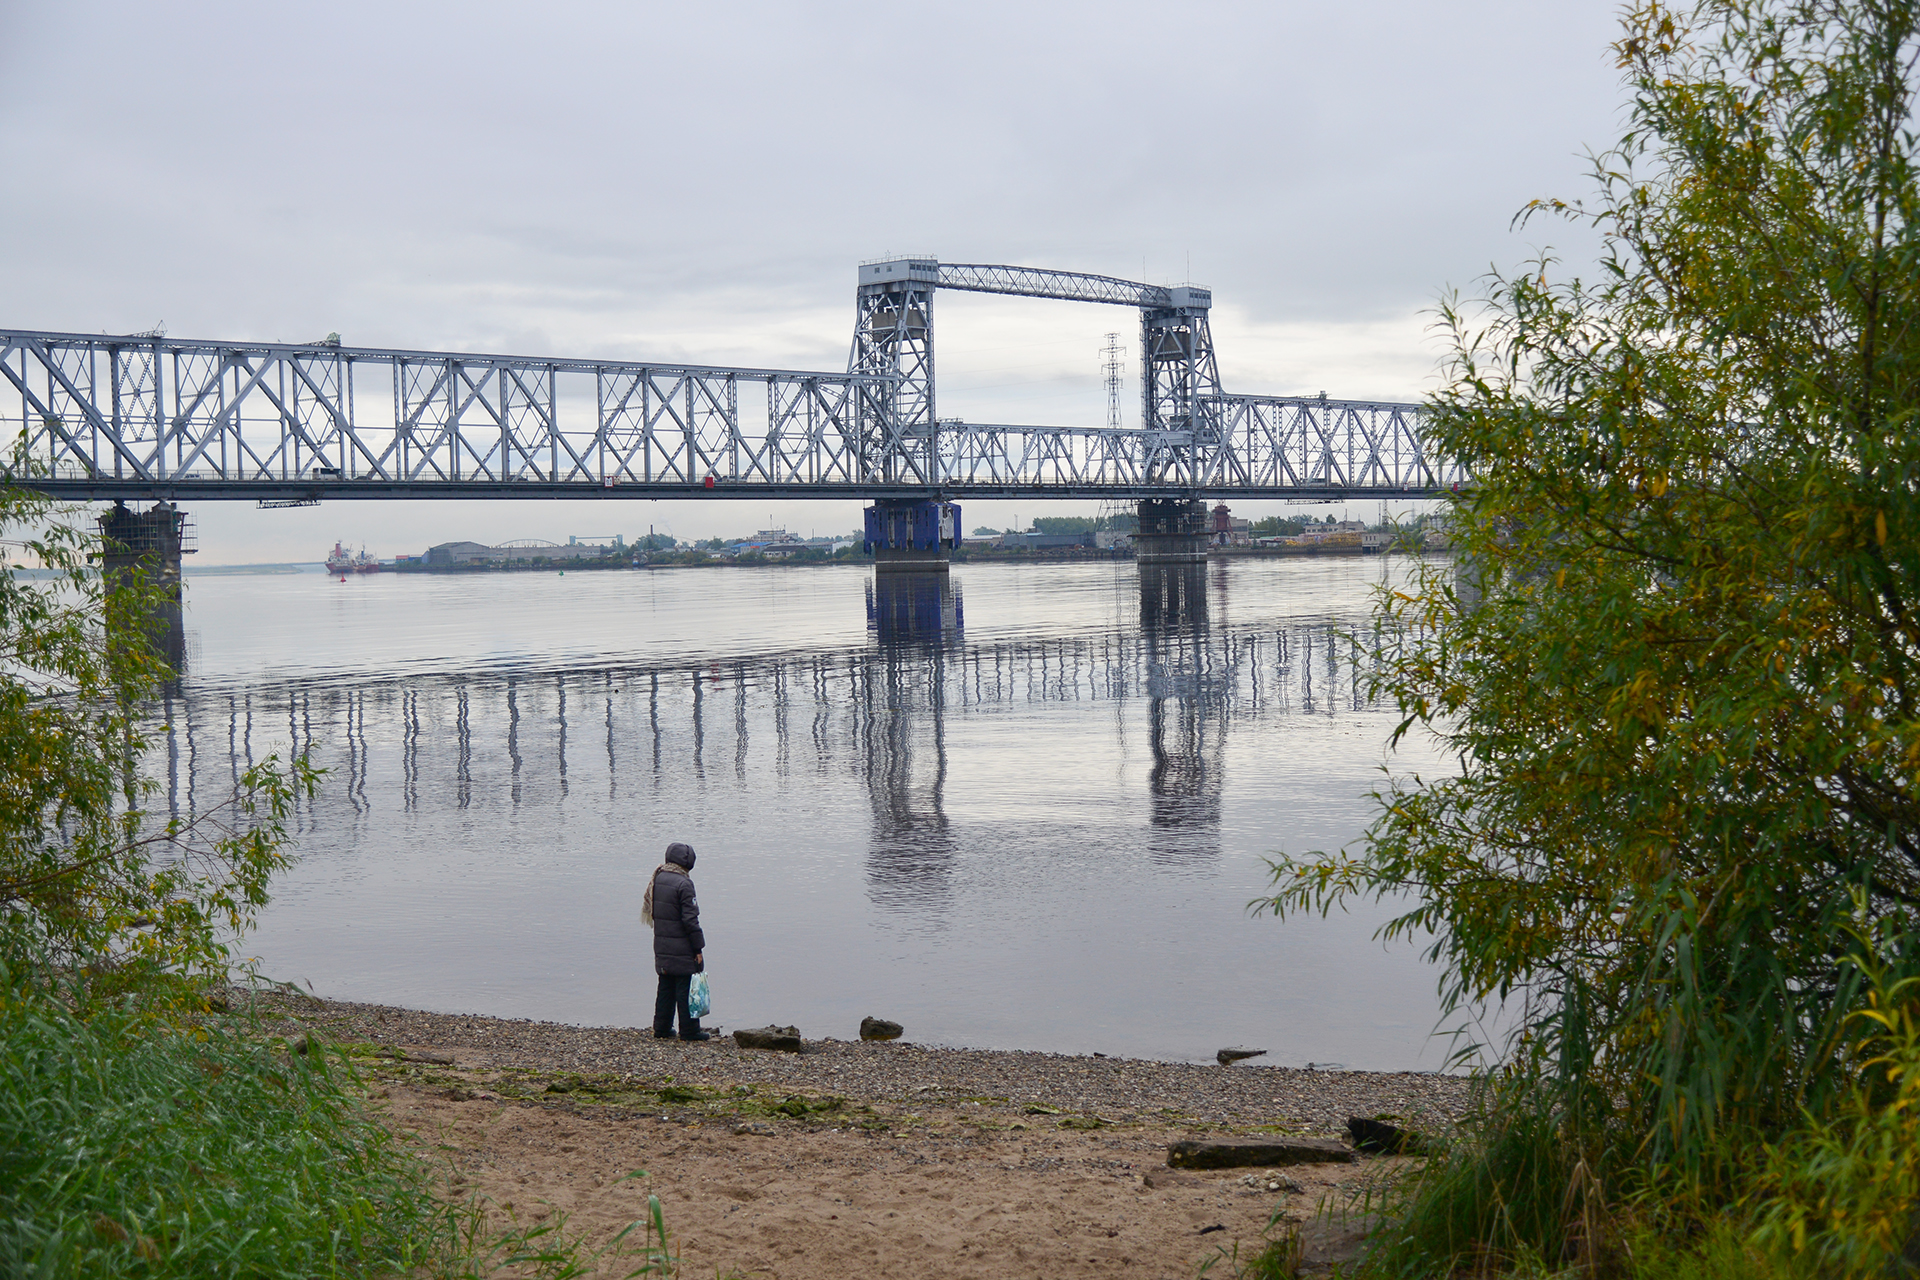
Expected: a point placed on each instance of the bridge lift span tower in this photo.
(1179, 389)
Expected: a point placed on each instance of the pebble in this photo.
(1115, 1089)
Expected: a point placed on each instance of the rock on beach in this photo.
(781, 1039)
(1378, 1136)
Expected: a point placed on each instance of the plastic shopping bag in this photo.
(699, 1002)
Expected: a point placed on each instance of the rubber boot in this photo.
(690, 1030)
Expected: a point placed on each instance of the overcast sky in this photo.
(698, 182)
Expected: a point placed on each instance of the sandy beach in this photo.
(857, 1158)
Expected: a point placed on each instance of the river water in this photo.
(1022, 807)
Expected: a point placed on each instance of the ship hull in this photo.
(344, 562)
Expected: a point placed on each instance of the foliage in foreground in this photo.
(133, 1144)
(1678, 661)
(85, 875)
(138, 1135)
(130, 1145)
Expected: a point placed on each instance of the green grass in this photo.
(1278, 1257)
(1501, 1199)
(136, 1145)
(1507, 1198)
(132, 1146)
(1721, 1251)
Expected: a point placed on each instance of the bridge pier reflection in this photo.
(916, 624)
(1186, 723)
(915, 609)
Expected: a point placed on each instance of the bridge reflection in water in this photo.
(768, 729)
(1186, 706)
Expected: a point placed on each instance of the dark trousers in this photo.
(671, 999)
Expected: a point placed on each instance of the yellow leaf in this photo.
(1880, 527)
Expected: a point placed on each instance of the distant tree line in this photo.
(1271, 526)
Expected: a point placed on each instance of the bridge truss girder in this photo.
(1272, 442)
(160, 412)
(162, 417)
(1247, 445)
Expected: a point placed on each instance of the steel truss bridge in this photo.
(152, 416)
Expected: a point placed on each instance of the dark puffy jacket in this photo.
(676, 925)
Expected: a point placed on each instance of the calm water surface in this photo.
(1025, 807)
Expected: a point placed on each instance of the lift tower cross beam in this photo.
(1181, 437)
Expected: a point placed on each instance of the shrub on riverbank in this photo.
(131, 1144)
(135, 1143)
(141, 1134)
(1679, 665)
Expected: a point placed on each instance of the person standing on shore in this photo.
(679, 947)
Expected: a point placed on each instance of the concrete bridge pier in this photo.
(150, 543)
(1171, 531)
(912, 536)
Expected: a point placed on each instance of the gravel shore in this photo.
(903, 1074)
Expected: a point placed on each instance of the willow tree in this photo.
(1683, 690)
(90, 882)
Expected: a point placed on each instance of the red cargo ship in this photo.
(343, 561)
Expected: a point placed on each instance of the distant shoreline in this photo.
(316, 567)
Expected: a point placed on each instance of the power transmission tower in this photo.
(1116, 379)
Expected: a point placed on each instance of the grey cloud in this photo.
(698, 181)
